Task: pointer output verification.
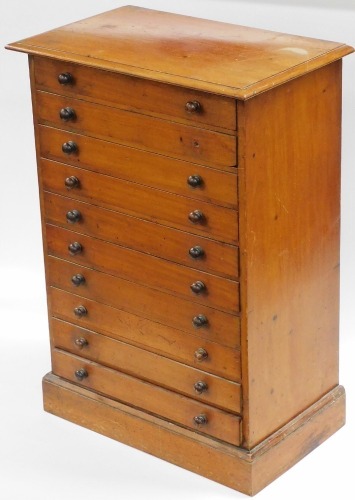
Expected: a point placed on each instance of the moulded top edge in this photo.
(225, 59)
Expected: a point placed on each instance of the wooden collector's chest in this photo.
(189, 176)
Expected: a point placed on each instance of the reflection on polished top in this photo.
(223, 58)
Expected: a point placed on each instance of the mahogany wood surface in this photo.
(149, 397)
(162, 307)
(141, 131)
(289, 248)
(219, 223)
(222, 58)
(145, 236)
(134, 266)
(142, 167)
(136, 94)
(148, 366)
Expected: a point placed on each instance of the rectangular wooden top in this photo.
(222, 58)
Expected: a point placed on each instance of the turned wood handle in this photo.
(198, 287)
(200, 387)
(194, 181)
(78, 279)
(196, 217)
(196, 252)
(199, 321)
(75, 248)
(201, 419)
(81, 374)
(70, 147)
(193, 107)
(201, 354)
(67, 114)
(65, 78)
(71, 182)
(73, 216)
(80, 311)
(81, 342)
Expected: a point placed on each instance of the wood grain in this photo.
(135, 94)
(147, 366)
(149, 303)
(128, 326)
(146, 270)
(290, 308)
(154, 337)
(270, 232)
(232, 466)
(140, 131)
(147, 203)
(144, 236)
(149, 397)
(221, 58)
(142, 167)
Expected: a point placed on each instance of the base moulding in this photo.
(247, 471)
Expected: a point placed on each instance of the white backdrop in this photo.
(45, 458)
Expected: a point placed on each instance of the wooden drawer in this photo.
(147, 203)
(140, 131)
(149, 366)
(142, 167)
(135, 392)
(146, 302)
(145, 269)
(133, 93)
(144, 236)
(155, 337)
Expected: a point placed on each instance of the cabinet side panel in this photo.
(31, 63)
(290, 197)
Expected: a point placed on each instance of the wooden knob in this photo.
(65, 78)
(75, 248)
(198, 287)
(73, 216)
(196, 252)
(196, 217)
(78, 279)
(69, 147)
(199, 321)
(193, 107)
(67, 114)
(80, 311)
(71, 182)
(81, 342)
(201, 354)
(194, 181)
(201, 419)
(81, 374)
(200, 387)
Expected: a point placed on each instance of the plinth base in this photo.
(243, 470)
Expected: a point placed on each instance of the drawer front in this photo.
(144, 236)
(189, 349)
(151, 367)
(147, 203)
(145, 269)
(135, 94)
(140, 131)
(146, 302)
(162, 402)
(142, 167)
(135, 329)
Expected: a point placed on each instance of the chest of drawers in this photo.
(189, 185)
